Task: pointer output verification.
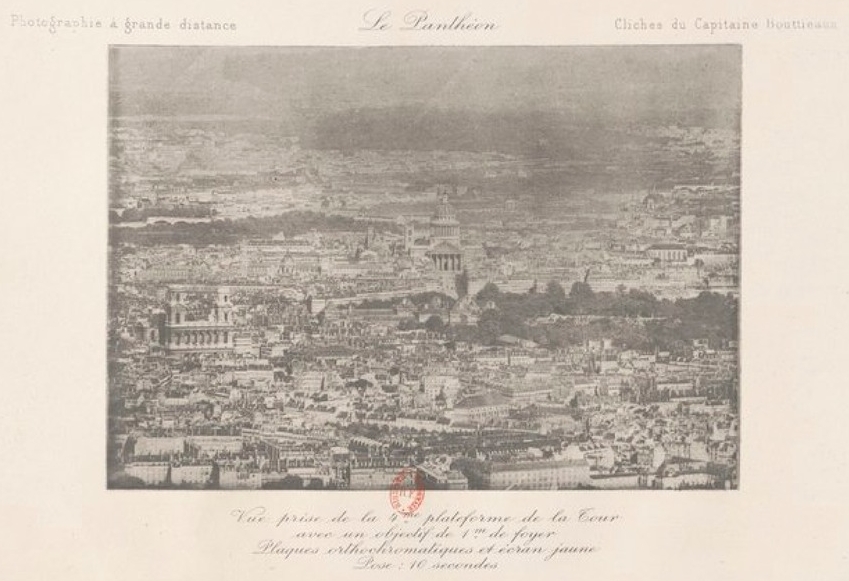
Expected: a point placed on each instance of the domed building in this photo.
(444, 225)
(445, 252)
(436, 240)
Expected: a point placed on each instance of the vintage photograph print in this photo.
(424, 268)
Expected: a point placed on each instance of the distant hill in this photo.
(537, 133)
(550, 100)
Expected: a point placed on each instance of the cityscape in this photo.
(505, 268)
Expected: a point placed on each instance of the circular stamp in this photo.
(406, 493)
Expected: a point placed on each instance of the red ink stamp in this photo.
(406, 493)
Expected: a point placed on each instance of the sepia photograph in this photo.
(453, 267)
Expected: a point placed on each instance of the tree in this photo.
(408, 324)
(581, 292)
(124, 480)
(462, 284)
(290, 482)
(435, 324)
(489, 325)
(582, 297)
(555, 291)
(361, 383)
(489, 292)
(556, 296)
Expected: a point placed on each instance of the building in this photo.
(212, 445)
(667, 252)
(191, 474)
(151, 473)
(480, 409)
(619, 481)
(528, 389)
(233, 478)
(378, 477)
(445, 250)
(159, 447)
(198, 319)
(441, 242)
(244, 344)
(448, 386)
(310, 382)
(538, 474)
(438, 475)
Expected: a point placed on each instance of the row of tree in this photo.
(225, 232)
(632, 319)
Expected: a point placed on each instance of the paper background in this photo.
(787, 521)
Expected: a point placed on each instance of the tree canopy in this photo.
(633, 318)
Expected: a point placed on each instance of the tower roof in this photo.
(445, 211)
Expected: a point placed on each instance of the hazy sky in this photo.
(282, 81)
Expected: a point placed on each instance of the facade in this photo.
(480, 409)
(235, 479)
(667, 252)
(446, 257)
(191, 474)
(198, 319)
(212, 445)
(546, 474)
(439, 476)
(446, 385)
(625, 481)
(151, 473)
(372, 478)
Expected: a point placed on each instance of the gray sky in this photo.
(622, 82)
